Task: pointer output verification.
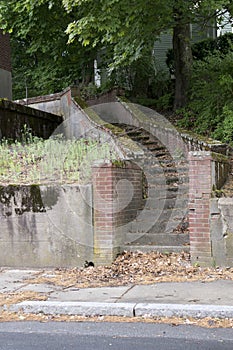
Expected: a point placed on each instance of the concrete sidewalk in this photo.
(180, 299)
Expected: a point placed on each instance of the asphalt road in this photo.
(101, 336)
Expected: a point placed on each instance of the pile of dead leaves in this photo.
(135, 268)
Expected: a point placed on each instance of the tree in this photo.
(131, 27)
(43, 62)
(128, 28)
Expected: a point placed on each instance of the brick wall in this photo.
(5, 60)
(204, 176)
(117, 197)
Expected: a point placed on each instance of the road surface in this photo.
(114, 336)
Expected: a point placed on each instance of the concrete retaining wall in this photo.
(222, 231)
(76, 122)
(45, 225)
(14, 116)
(65, 225)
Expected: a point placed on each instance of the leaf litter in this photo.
(129, 268)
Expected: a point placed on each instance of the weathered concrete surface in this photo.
(222, 230)
(13, 280)
(183, 293)
(75, 308)
(176, 310)
(105, 294)
(145, 310)
(6, 84)
(183, 299)
(14, 116)
(46, 226)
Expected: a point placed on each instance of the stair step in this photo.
(158, 239)
(156, 248)
(150, 142)
(159, 228)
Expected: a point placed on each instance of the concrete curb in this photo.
(183, 310)
(123, 309)
(75, 308)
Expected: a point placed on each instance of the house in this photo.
(211, 31)
(164, 43)
(5, 67)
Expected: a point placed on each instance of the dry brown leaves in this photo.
(127, 269)
(134, 268)
(7, 299)
(207, 322)
(17, 297)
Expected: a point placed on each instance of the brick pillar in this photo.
(117, 197)
(102, 178)
(200, 188)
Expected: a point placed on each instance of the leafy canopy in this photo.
(125, 28)
(42, 60)
(130, 25)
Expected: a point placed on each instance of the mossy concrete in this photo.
(46, 225)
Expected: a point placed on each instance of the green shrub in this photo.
(224, 130)
(204, 48)
(211, 96)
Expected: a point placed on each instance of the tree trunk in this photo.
(183, 63)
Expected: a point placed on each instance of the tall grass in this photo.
(55, 160)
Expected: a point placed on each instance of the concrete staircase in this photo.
(162, 224)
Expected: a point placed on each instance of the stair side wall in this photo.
(210, 218)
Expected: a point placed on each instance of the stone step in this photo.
(149, 144)
(156, 248)
(152, 143)
(156, 221)
(159, 227)
(169, 203)
(163, 193)
(157, 239)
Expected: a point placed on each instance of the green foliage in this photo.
(211, 100)
(129, 27)
(204, 48)
(45, 63)
(224, 130)
(42, 60)
(165, 102)
(89, 91)
(49, 161)
(222, 44)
